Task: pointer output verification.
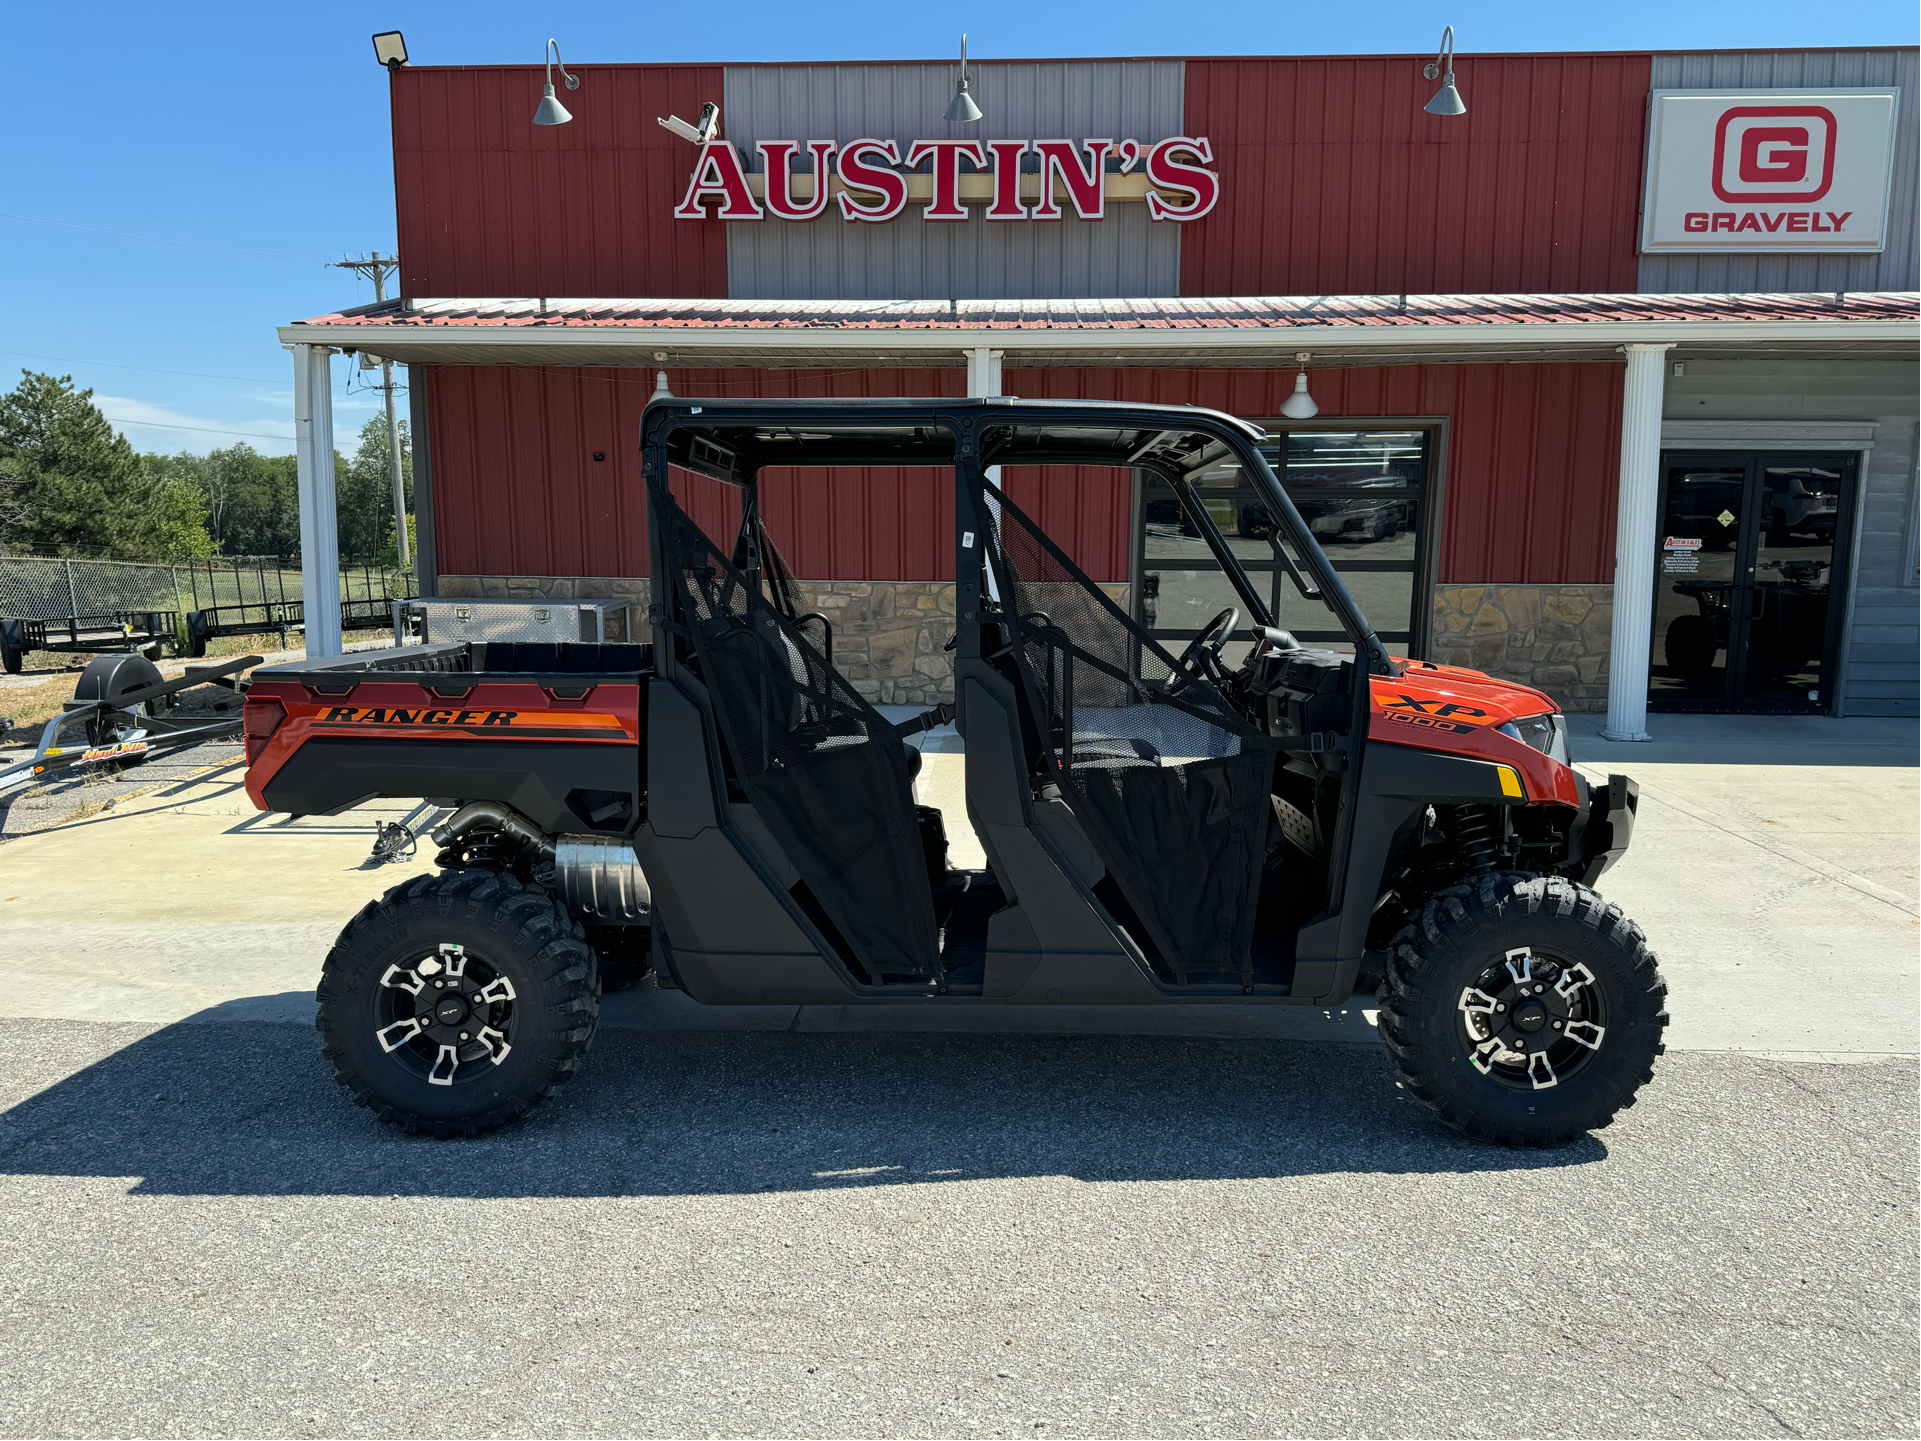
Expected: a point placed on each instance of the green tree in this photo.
(253, 501)
(78, 488)
(365, 499)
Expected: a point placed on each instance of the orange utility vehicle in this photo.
(722, 812)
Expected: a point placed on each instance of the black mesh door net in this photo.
(826, 772)
(1169, 781)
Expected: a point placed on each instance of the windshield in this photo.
(1244, 544)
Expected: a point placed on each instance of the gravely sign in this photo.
(873, 182)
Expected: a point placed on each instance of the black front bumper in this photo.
(1601, 836)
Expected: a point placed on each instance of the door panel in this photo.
(1799, 507)
(1695, 579)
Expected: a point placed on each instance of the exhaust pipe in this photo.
(500, 817)
(597, 878)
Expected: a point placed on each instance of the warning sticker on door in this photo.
(1681, 542)
(1726, 517)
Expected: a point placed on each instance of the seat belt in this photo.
(940, 715)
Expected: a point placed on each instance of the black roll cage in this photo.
(732, 441)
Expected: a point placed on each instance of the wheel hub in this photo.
(448, 1016)
(1531, 1021)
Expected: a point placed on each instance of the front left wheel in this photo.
(1523, 1009)
(456, 1003)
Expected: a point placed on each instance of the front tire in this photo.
(1523, 1009)
(456, 1003)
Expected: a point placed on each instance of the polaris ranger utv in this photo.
(723, 808)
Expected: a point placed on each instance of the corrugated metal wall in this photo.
(488, 203)
(910, 259)
(1530, 472)
(1335, 181)
(1898, 267)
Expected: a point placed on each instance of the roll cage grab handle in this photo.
(968, 454)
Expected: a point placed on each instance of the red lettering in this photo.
(1748, 222)
(1695, 221)
(946, 155)
(1774, 154)
(1724, 220)
(1083, 178)
(780, 178)
(1816, 225)
(1007, 180)
(1164, 172)
(1841, 219)
(1798, 221)
(1773, 222)
(889, 184)
(718, 176)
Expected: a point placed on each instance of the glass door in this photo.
(1746, 550)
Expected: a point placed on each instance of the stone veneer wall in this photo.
(888, 634)
(1555, 638)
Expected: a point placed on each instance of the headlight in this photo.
(1545, 733)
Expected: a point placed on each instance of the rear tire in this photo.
(1577, 1073)
(1690, 645)
(503, 1056)
(13, 660)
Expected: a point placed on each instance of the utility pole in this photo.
(378, 267)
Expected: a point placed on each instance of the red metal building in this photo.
(1473, 295)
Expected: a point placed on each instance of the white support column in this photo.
(313, 425)
(1634, 543)
(984, 373)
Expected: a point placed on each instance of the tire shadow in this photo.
(249, 1107)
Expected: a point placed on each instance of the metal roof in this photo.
(1251, 330)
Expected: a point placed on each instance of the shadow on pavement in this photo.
(250, 1108)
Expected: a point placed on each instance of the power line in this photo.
(206, 429)
(161, 239)
(150, 369)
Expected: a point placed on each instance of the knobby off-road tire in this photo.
(530, 1006)
(1468, 951)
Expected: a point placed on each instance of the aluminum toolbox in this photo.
(423, 622)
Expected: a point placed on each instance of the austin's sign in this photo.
(1754, 170)
(872, 181)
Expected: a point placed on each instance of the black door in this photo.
(1749, 549)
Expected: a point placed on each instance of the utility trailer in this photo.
(121, 715)
(145, 631)
(724, 808)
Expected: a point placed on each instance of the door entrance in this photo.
(1749, 549)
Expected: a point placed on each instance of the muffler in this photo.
(600, 880)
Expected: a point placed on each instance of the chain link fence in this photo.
(34, 588)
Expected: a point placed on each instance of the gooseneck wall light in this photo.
(962, 109)
(1447, 100)
(1300, 405)
(550, 110)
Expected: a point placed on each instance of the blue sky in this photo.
(178, 177)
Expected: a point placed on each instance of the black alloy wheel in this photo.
(1522, 1009)
(456, 1003)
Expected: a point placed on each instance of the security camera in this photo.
(697, 134)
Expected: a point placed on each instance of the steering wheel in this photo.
(1202, 658)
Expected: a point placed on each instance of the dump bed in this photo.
(553, 730)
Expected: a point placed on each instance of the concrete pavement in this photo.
(830, 1221)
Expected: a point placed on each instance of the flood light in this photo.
(390, 49)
